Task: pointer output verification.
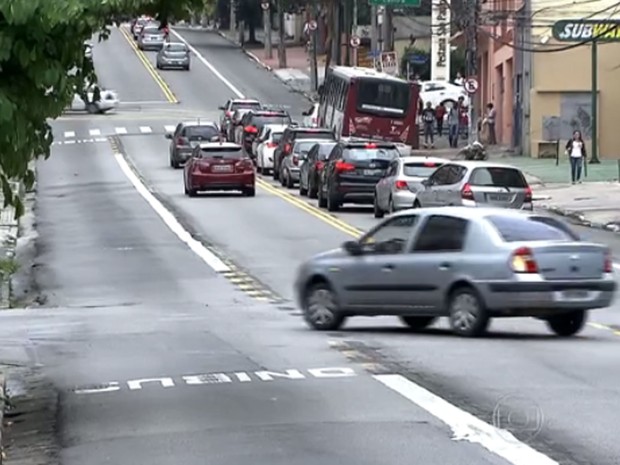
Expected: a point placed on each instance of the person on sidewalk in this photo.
(440, 113)
(453, 126)
(576, 151)
(428, 118)
(490, 123)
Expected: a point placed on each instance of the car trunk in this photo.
(504, 197)
(175, 55)
(366, 171)
(218, 164)
(570, 261)
(498, 186)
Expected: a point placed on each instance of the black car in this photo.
(292, 134)
(352, 172)
(252, 123)
(228, 110)
(310, 170)
(188, 135)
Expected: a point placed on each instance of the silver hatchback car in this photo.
(151, 38)
(476, 184)
(397, 190)
(173, 55)
(468, 264)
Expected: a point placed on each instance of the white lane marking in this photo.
(120, 130)
(100, 139)
(169, 128)
(69, 134)
(220, 378)
(204, 61)
(168, 218)
(94, 132)
(617, 266)
(465, 426)
(145, 129)
(67, 142)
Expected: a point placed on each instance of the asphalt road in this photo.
(127, 300)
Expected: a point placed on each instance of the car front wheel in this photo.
(468, 316)
(320, 308)
(568, 324)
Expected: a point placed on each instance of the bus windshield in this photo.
(383, 97)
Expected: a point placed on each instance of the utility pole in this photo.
(281, 43)
(473, 18)
(594, 157)
(314, 73)
(266, 6)
(374, 35)
(354, 32)
(233, 18)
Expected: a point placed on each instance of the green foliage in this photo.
(42, 62)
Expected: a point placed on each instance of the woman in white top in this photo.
(576, 151)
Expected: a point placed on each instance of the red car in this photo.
(219, 166)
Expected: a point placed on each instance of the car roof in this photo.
(363, 143)
(419, 159)
(199, 123)
(244, 100)
(481, 164)
(307, 129)
(468, 213)
(305, 141)
(269, 113)
(168, 44)
(219, 145)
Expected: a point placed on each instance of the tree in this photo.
(42, 63)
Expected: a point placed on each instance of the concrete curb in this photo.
(257, 60)
(581, 219)
(2, 407)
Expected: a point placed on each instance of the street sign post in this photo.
(471, 85)
(389, 63)
(593, 31)
(395, 2)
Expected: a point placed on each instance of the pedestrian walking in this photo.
(490, 123)
(428, 118)
(453, 126)
(440, 113)
(576, 151)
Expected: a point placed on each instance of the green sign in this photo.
(411, 3)
(581, 30)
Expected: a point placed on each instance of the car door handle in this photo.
(445, 266)
(388, 268)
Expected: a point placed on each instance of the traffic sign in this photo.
(471, 85)
(396, 2)
(312, 25)
(417, 58)
(355, 41)
(265, 5)
(389, 63)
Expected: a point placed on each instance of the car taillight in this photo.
(319, 165)
(370, 145)
(523, 261)
(466, 193)
(287, 148)
(528, 194)
(342, 166)
(250, 129)
(228, 114)
(272, 145)
(400, 185)
(609, 264)
(295, 160)
(244, 165)
(181, 141)
(204, 166)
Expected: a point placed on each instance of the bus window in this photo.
(375, 96)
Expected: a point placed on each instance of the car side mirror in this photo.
(353, 248)
(168, 136)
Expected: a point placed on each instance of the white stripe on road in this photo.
(169, 128)
(205, 254)
(69, 134)
(120, 130)
(145, 130)
(465, 426)
(94, 132)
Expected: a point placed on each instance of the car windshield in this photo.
(361, 154)
(314, 135)
(497, 176)
(260, 120)
(176, 48)
(380, 96)
(534, 228)
(325, 150)
(276, 136)
(224, 152)
(304, 146)
(420, 169)
(201, 132)
(238, 105)
(152, 30)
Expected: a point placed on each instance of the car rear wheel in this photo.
(275, 174)
(322, 201)
(249, 192)
(320, 308)
(377, 210)
(416, 204)
(302, 190)
(468, 317)
(187, 68)
(289, 180)
(418, 322)
(174, 164)
(91, 108)
(568, 324)
(333, 203)
(312, 190)
(391, 208)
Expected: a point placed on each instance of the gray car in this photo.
(173, 55)
(290, 166)
(397, 190)
(468, 264)
(188, 135)
(476, 184)
(151, 38)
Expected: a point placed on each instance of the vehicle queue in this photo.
(434, 256)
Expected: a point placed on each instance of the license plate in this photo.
(574, 295)
(497, 197)
(372, 172)
(222, 169)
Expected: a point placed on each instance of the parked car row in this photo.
(150, 35)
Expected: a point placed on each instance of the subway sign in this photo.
(580, 30)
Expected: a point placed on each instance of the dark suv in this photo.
(352, 171)
(252, 123)
(292, 134)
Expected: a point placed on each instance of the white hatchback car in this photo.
(437, 92)
(109, 101)
(266, 146)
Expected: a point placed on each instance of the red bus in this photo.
(365, 103)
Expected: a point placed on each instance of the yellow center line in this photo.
(325, 217)
(149, 67)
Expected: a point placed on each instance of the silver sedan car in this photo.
(403, 179)
(468, 264)
(151, 38)
(173, 55)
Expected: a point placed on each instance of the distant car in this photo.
(173, 55)
(230, 107)
(219, 166)
(108, 101)
(138, 24)
(403, 179)
(292, 134)
(437, 92)
(266, 144)
(467, 264)
(235, 122)
(475, 184)
(188, 135)
(352, 172)
(310, 170)
(290, 165)
(252, 122)
(311, 116)
(151, 38)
